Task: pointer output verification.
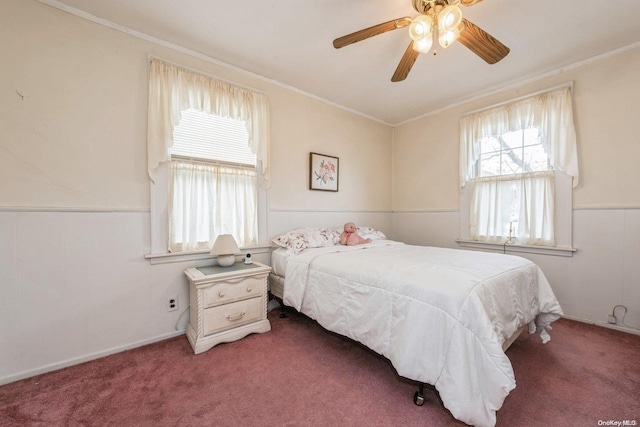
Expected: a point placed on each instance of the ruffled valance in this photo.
(550, 112)
(173, 89)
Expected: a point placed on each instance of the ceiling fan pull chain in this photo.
(435, 38)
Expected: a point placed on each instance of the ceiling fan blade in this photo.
(370, 32)
(407, 61)
(482, 43)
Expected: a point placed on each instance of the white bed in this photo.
(441, 316)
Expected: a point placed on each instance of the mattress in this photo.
(279, 261)
(276, 286)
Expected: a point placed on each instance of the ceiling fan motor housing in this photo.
(429, 6)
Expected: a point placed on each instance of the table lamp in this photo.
(226, 249)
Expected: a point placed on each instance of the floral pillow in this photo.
(302, 238)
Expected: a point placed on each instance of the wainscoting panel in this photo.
(631, 278)
(75, 285)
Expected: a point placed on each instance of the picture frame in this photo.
(324, 172)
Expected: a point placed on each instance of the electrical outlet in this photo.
(172, 303)
(612, 319)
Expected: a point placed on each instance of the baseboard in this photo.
(620, 328)
(78, 360)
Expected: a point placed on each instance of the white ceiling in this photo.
(290, 42)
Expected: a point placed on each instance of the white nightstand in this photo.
(226, 303)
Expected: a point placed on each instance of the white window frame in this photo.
(563, 211)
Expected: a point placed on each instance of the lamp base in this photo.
(226, 260)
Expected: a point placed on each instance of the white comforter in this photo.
(439, 315)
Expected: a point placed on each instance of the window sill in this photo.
(504, 248)
(164, 258)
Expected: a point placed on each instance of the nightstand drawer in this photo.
(233, 290)
(231, 315)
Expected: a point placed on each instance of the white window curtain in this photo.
(550, 112)
(492, 208)
(198, 196)
(173, 89)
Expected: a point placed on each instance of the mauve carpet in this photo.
(301, 375)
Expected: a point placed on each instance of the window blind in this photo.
(206, 136)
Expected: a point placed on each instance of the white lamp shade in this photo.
(225, 248)
(420, 27)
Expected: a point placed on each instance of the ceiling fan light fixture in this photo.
(449, 18)
(437, 19)
(420, 27)
(423, 45)
(445, 38)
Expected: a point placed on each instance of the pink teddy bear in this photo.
(350, 236)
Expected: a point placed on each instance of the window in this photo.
(208, 160)
(212, 183)
(509, 188)
(513, 157)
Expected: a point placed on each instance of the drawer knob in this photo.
(249, 289)
(238, 317)
(221, 294)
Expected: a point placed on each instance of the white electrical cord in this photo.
(181, 324)
(613, 313)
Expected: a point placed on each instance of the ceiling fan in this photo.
(438, 19)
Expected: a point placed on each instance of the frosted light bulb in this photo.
(420, 27)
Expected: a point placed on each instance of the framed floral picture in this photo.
(323, 172)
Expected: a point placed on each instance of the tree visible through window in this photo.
(512, 153)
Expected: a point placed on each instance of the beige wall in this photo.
(300, 126)
(608, 128)
(78, 137)
(426, 151)
(425, 163)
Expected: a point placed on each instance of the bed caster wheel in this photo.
(418, 399)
